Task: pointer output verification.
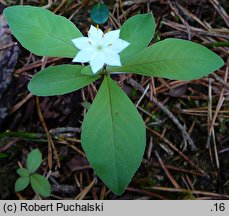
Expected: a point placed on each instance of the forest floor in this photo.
(169, 169)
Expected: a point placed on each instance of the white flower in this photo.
(99, 48)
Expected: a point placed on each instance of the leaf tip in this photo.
(220, 62)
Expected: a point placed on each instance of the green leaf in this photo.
(99, 13)
(58, 80)
(86, 105)
(88, 71)
(113, 136)
(138, 31)
(21, 183)
(34, 160)
(2, 155)
(42, 32)
(23, 172)
(173, 59)
(40, 185)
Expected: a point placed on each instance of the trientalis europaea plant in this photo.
(113, 132)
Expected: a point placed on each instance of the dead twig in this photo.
(175, 10)
(177, 150)
(147, 193)
(178, 169)
(164, 109)
(21, 103)
(8, 46)
(197, 31)
(9, 144)
(173, 181)
(49, 137)
(181, 190)
(83, 193)
(35, 65)
(220, 11)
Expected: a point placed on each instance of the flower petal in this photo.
(110, 37)
(118, 46)
(83, 56)
(111, 58)
(97, 62)
(82, 43)
(95, 34)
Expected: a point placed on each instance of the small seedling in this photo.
(99, 13)
(28, 175)
(113, 132)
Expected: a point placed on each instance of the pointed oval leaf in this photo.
(138, 31)
(174, 59)
(42, 32)
(21, 183)
(113, 136)
(40, 185)
(23, 172)
(34, 160)
(99, 13)
(58, 80)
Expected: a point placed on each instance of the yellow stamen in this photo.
(108, 30)
(97, 26)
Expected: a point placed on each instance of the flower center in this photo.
(99, 47)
